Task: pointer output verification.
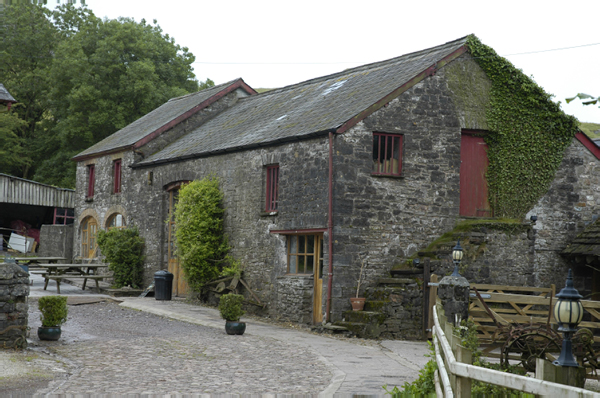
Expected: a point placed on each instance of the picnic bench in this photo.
(59, 272)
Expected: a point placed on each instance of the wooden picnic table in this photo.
(38, 260)
(58, 272)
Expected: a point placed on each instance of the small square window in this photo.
(117, 176)
(272, 188)
(63, 216)
(303, 253)
(387, 154)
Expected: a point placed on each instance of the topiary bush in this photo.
(123, 248)
(230, 307)
(201, 244)
(54, 310)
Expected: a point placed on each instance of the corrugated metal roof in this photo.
(303, 109)
(25, 192)
(5, 95)
(153, 121)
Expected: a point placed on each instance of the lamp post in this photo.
(568, 312)
(457, 255)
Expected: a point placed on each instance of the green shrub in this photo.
(201, 243)
(123, 249)
(53, 309)
(230, 307)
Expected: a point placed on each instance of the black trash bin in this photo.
(163, 285)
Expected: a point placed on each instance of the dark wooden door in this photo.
(473, 184)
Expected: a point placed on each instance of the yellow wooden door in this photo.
(180, 286)
(318, 285)
(89, 232)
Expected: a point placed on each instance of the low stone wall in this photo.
(294, 299)
(14, 290)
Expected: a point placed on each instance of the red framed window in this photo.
(272, 188)
(63, 216)
(387, 154)
(117, 176)
(91, 180)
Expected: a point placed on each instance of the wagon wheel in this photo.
(583, 349)
(528, 347)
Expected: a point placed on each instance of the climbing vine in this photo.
(530, 135)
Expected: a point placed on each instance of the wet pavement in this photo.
(147, 347)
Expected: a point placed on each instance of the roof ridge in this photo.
(364, 67)
(204, 90)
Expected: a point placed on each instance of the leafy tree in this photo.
(27, 43)
(11, 149)
(591, 99)
(201, 243)
(79, 78)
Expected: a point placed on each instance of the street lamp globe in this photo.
(568, 312)
(457, 255)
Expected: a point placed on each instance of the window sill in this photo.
(90, 199)
(299, 276)
(401, 176)
(269, 213)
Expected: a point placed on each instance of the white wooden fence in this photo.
(454, 376)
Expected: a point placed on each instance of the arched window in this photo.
(89, 232)
(115, 221)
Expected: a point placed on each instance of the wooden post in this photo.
(432, 302)
(463, 384)
(426, 302)
(567, 375)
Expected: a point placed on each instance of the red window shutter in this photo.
(117, 176)
(271, 192)
(91, 180)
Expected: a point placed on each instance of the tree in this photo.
(78, 79)
(582, 96)
(27, 42)
(11, 148)
(107, 74)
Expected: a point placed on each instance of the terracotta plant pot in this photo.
(235, 327)
(51, 333)
(358, 303)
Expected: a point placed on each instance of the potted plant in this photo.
(230, 307)
(54, 314)
(358, 303)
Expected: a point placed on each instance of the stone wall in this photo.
(294, 298)
(14, 290)
(56, 241)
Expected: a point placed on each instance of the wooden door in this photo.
(473, 184)
(89, 232)
(318, 285)
(180, 286)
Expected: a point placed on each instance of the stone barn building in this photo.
(370, 164)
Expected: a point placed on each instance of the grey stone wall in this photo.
(56, 241)
(14, 290)
(571, 203)
(294, 299)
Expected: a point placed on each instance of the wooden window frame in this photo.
(62, 213)
(117, 166)
(316, 254)
(272, 189)
(380, 166)
(91, 174)
(113, 217)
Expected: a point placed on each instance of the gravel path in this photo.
(108, 349)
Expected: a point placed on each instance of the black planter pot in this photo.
(51, 333)
(235, 327)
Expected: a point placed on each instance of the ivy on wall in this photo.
(530, 135)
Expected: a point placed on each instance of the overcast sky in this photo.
(277, 43)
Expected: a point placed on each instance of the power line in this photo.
(554, 49)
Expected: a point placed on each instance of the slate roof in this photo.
(586, 243)
(5, 95)
(309, 108)
(155, 120)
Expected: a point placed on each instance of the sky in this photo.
(273, 44)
